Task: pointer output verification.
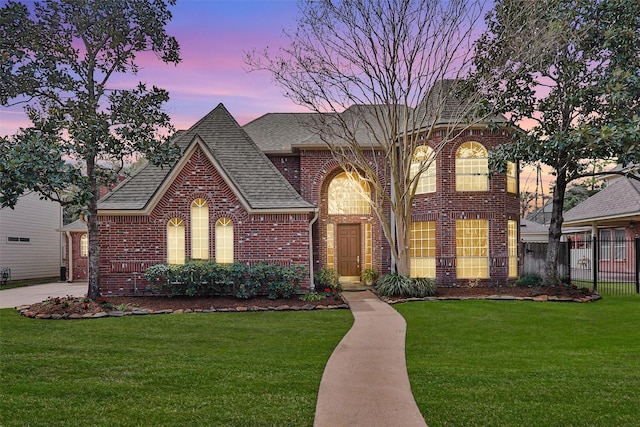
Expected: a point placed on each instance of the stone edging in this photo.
(539, 298)
(24, 311)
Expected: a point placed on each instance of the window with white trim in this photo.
(472, 167)
(423, 158)
(423, 249)
(224, 241)
(84, 245)
(199, 229)
(472, 248)
(175, 241)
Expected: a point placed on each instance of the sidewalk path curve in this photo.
(365, 382)
(10, 298)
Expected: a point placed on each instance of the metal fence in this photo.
(607, 266)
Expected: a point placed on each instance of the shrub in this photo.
(312, 296)
(530, 281)
(280, 282)
(396, 285)
(327, 281)
(195, 278)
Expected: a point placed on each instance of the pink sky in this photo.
(214, 36)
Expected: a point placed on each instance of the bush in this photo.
(530, 281)
(392, 284)
(280, 282)
(328, 281)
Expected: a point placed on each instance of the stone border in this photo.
(540, 298)
(24, 310)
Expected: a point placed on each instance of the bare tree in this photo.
(381, 74)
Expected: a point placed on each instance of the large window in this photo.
(421, 158)
(612, 241)
(423, 249)
(175, 241)
(619, 245)
(84, 245)
(349, 194)
(512, 183)
(224, 241)
(512, 228)
(472, 248)
(472, 167)
(199, 229)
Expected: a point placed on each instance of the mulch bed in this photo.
(78, 307)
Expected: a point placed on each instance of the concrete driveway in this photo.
(10, 298)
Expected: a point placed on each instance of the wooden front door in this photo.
(349, 250)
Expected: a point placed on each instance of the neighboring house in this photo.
(613, 215)
(271, 191)
(29, 243)
(76, 253)
(531, 231)
(541, 215)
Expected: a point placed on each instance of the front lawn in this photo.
(222, 369)
(499, 363)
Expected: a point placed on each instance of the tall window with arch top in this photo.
(472, 167)
(224, 241)
(423, 158)
(349, 194)
(175, 241)
(199, 229)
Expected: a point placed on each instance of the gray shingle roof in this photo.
(77, 225)
(278, 132)
(620, 198)
(254, 177)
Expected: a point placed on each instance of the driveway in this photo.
(10, 298)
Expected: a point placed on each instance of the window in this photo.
(330, 247)
(199, 229)
(175, 241)
(11, 239)
(472, 248)
(512, 231)
(512, 183)
(84, 245)
(619, 245)
(423, 249)
(427, 181)
(605, 245)
(349, 194)
(224, 241)
(472, 167)
(368, 242)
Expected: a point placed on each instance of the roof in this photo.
(231, 149)
(619, 200)
(531, 227)
(77, 225)
(284, 132)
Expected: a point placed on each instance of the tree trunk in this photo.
(93, 291)
(555, 230)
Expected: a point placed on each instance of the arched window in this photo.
(512, 183)
(199, 229)
(349, 194)
(84, 245)
(175, 241)
(422, 155)
(472, 167)
(224, 241)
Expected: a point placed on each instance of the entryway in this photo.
(348, 253)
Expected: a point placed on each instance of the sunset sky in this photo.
(214, 36)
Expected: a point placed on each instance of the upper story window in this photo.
(349, 194)
(472, 167)
(224, 241)
(512, 176)
(199, 229)
(422, 155)
(84, 245)
(175, 241)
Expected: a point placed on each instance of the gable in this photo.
(246, 170)
(620, 199)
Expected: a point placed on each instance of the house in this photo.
(534, 232)
(29, 244)
(613, 216)
(76, 254)
(271, 191)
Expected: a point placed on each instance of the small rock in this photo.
(116, 313)
(43, 316)
(283, 308)
(22, 307)
(56, 316)
(75, 316)
(165, 311)
(308, 307)
(179, 311)
(100, 315)
(242, 308)
(87, 315)
(344, 306)
(541, 298)
(321, 307)
(138, 312)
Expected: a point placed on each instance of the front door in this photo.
(349, 250)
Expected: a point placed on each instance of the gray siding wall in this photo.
(35, 220)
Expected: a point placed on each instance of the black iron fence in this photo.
(607, 266)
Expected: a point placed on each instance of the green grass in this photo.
(234, 369)
(498, 363)
(609, 288)
(22, 283)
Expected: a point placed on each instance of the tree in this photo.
(379, 73)
(59, 59)
(570, 71)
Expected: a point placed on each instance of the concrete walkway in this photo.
(10, 298)
(365, 382)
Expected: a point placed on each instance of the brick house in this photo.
(271, 191)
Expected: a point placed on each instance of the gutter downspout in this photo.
(312, 285)
(69, 257)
